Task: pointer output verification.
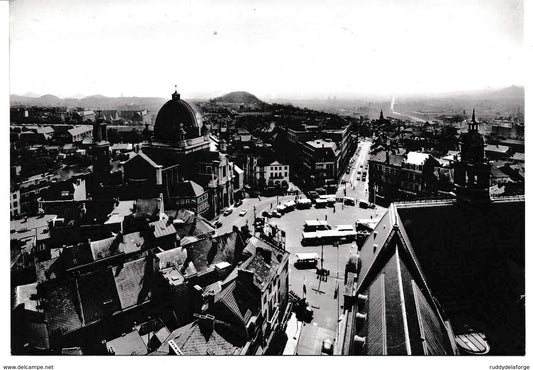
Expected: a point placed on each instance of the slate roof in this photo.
(381, 157)
(104, 248)
(147, 206)
(239, 301)
(98, 294)
(60, 307)
(496, 148)
(497, 173)
(175, 257)
(400, 308)
(264, 270)
(187, 189)
(24, 228)
(193, 340)
(205, 253)
(132, 242)
(454, 252)
(132, 280)
(162, 228)
(77, 254)
(127, 345)
(79, 130)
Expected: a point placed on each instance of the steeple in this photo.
(175, 94)
(381, 115)
(473, 126)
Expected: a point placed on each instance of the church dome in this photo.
(176, 120)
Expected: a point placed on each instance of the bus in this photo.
(289, 205)
(310, 238)
(321, 203)
(349, 201)
(306, 260)
(328, 237)
(303, 203)
(316, 225)
(281, 209)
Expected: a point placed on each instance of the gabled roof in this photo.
(146, 158)
(162, 228)
(497, 173)
(205, 253)
(457, 253)
(264, 262)
(187, 189)
(195, 340)
(239, 301)
(401, 308)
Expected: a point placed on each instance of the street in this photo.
(320, 293)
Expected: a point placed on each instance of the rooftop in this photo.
(162, 228)
(416, 158)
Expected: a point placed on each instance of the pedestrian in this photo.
(270, 205)
(326, 217)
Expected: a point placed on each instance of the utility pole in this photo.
(322, 258)
(254, 220)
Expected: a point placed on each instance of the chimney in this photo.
(206, 322)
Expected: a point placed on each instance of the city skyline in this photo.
(273, 50)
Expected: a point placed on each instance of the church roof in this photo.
(452, 252)
(174, 115)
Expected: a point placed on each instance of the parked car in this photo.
(238, 203)
(327, 346)
(276, 214)
(228, 211)
(242, 213)
(218, 224)
(266, 214)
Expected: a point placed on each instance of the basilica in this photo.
(180, 160)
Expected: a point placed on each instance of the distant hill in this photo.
(90, 102)
(238, 97)
(511, 92)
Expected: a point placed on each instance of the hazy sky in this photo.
(270, 48)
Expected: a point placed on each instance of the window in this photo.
(285, 174)
(15, 196)
(224, 171)
(15, 204)
(208, 169)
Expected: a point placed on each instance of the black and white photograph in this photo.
(276, 178)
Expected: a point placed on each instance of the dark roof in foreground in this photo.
(435, 268)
